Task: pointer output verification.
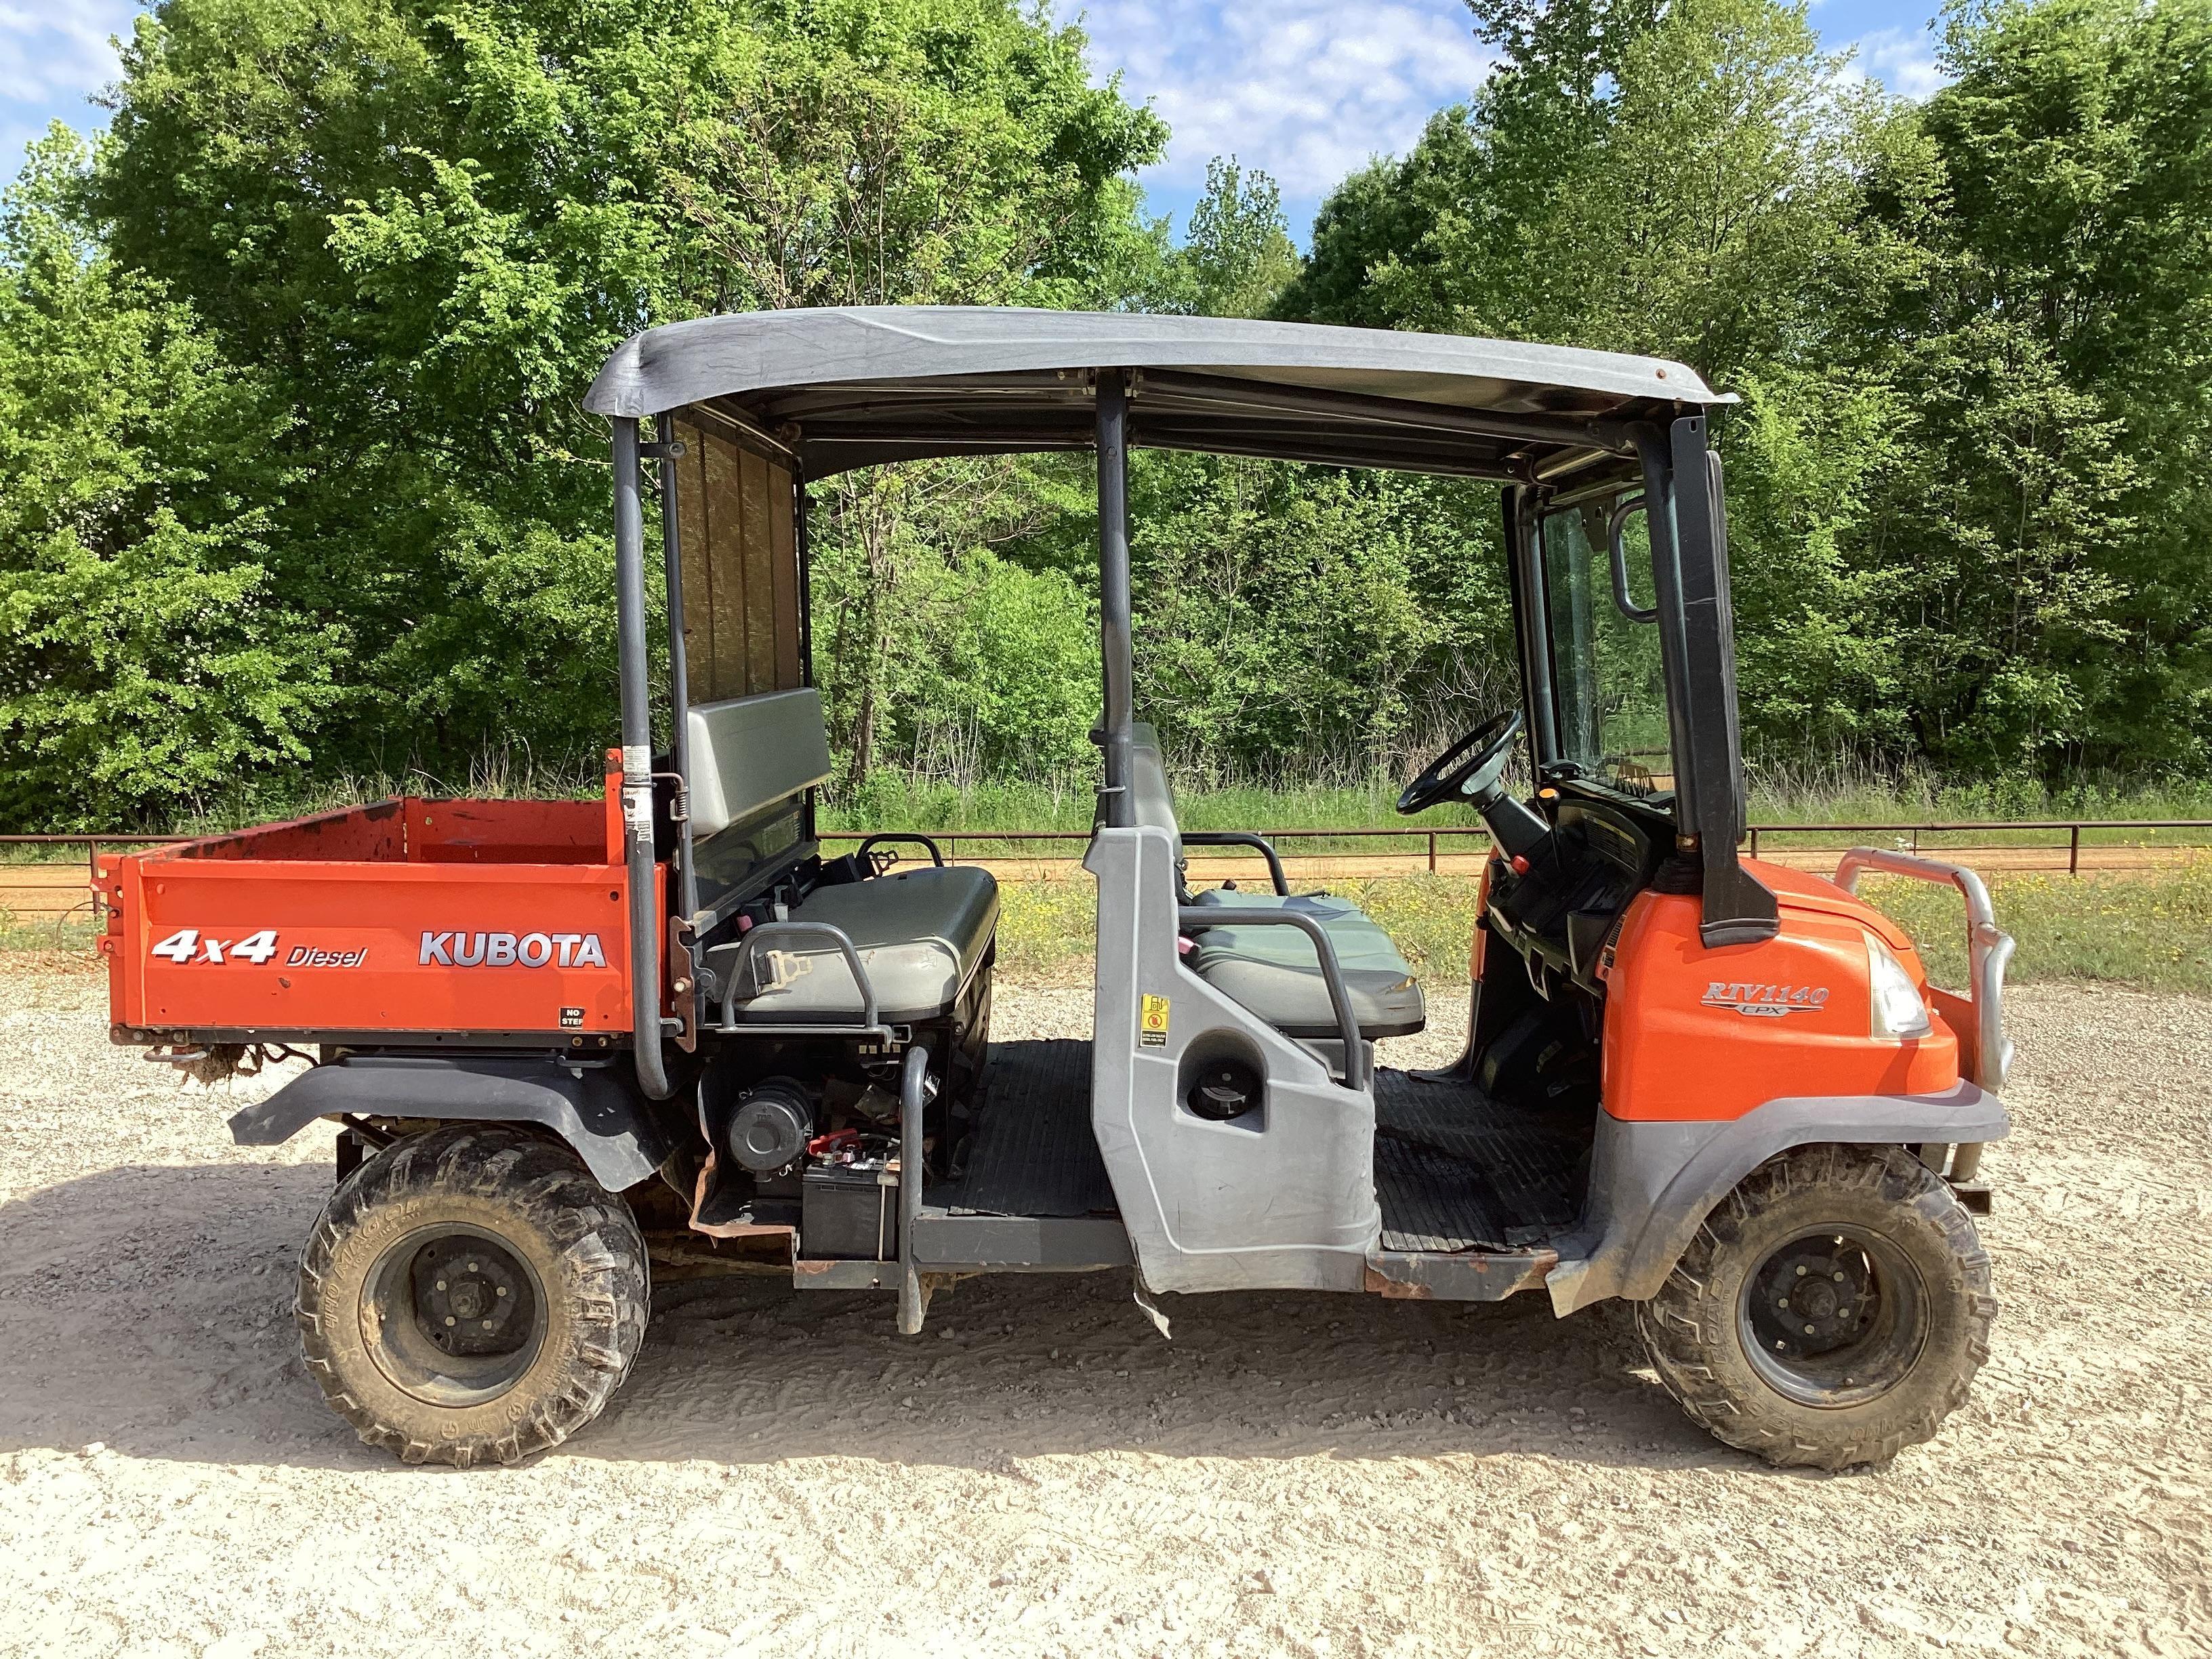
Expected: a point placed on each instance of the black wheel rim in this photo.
(452, 1315)
(1835, 1317)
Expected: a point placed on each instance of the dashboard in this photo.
(1560, 912)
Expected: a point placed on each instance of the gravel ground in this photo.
(1041, 1473)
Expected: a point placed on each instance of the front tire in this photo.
(472, 1295)
(1832, 1311)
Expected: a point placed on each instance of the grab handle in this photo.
(1613, 526)
(1198, 917)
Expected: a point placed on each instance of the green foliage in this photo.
(1967, 508)
(1236, 252)
(147, 652)
(299, 490)
(427, 224)
(1341, 621)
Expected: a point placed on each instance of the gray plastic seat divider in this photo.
(1282, 1197)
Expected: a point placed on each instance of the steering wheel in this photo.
(1467, 771)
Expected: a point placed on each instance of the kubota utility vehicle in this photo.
(561, 1040)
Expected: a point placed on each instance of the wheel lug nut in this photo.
(1801, 1272)
(1808, 1330)
(1839, 1279)
(441, 1284)
(502, 1290)
(449, 1320)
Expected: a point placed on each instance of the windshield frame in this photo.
(1550, 669)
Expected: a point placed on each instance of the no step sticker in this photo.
(1152, 1024)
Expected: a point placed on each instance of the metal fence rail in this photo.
(55, 890)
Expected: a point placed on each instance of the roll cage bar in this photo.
(830, 390)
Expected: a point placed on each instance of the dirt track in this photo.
(1041, 1473)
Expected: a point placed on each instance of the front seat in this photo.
(1272, 969)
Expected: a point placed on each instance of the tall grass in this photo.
(1841, 790)
(892, 800)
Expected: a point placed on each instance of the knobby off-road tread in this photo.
(601, 1277)
(1690, 1330)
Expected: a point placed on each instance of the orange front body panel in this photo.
(1696, 1032)
(461, 917)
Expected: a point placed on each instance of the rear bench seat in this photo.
(1272, 969)
(921, 934)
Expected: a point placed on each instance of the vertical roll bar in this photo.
(637, 765)
(1667, 588)
(679, 670)
(1115, 652)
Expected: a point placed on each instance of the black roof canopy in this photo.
(853, 386)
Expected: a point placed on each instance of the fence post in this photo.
(2074, 850)
(1432, 852)
(1754, 840)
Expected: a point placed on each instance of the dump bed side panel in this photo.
(507, 831)
(209, 944)
(376, 833)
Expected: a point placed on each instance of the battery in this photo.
(850, 1212)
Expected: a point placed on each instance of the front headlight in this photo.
(1897, 1010)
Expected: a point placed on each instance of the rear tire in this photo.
(1832, 1311)
(470, 1295)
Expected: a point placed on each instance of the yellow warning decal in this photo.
(1152, 1025)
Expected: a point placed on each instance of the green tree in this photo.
(427, 224)
(148, 655)
(1237, 253)
(2058, 346)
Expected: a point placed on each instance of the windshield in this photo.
(1607, 687)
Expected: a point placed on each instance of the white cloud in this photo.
(1306, 90)
(51, 58)
(1902, 60)
(59, 53)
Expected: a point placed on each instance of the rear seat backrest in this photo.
(1152, 800)
(750, 752)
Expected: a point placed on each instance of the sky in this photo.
(1306, 90)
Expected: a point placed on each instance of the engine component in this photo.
(868, 1100)
(771, 1126)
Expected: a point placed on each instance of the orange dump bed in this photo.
(449, 920)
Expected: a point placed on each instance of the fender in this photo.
(606, 1123)
(1652, 1184)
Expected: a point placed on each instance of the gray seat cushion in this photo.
(921, 935)
(1272, 969)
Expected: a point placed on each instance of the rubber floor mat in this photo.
(1032, 1152)
(1455, 1171)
